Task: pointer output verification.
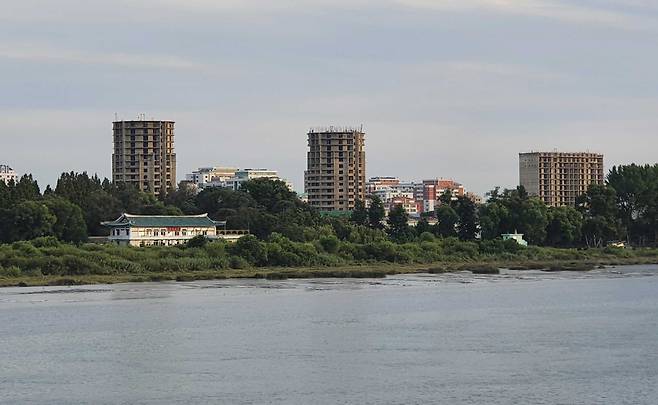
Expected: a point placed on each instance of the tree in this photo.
(467, 227)
(564, 226)
(251, 249)
(599, 209)
(376, 213)
(494, 218)
(273, 195)
(26, 220)
(26, 189)
(447, 221)
(69, 225)
(184, 198)
(359, 215)
(398, 224)
(532, 220)
(423, 226)
(446, 197)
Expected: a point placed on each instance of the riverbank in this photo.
(360, 271)
(46, 261)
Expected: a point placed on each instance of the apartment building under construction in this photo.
(559, 178)
(336, 168)
(144, 155)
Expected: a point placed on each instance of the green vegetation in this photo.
(46, 260)
(44, 234)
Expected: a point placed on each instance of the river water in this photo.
(523, 337)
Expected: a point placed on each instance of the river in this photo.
(522, 337)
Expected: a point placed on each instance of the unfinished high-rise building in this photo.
(559, 178)
(336, 168)
(144, 155)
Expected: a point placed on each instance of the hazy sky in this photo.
(444, 88)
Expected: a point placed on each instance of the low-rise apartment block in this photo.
(228, 177)
(434, 189)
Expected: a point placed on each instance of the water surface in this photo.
(520, 337)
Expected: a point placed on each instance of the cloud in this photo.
(557, 10)
(49, 54)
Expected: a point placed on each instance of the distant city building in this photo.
(228, 177)
(408, 203)
(8, 174)
(426, 194)
(209, 175)
(244, 175)
(434, 189)
(163, 230)
(144, 155)
(377, 183)
(336, 168)
(477, 199)
(559, 178)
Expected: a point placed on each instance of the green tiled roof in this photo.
(163, 221)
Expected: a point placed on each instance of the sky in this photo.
(443, 88)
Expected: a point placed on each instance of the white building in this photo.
(244, 175)
(211, 176)
(7, 174)
(165, 230)
(228, 177)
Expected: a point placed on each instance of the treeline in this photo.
(625, 208)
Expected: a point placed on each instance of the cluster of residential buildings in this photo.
(334, 180)
(335, 176)
(416, 197)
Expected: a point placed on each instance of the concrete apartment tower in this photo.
(144, 155)
(336, 168)
(559, 178)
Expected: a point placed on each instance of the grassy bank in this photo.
(46, 261)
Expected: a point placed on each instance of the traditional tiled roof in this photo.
(163, 221)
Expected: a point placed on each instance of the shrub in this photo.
(45, 241)
(250, 249)
(11, 271)
(237, 262)
(216, 249)
(330, 243)
(25, 248)
(426, 237)
(198, 241)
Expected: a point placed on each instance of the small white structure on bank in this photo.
(166, 230)
(517, 237)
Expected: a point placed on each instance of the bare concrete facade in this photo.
(144, 155)
(558, 178)
(336, 168)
